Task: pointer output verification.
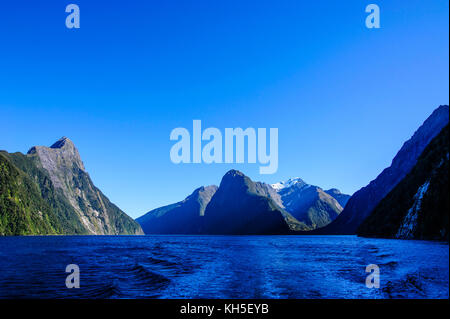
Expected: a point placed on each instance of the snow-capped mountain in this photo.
(309, 204)
(289, 183)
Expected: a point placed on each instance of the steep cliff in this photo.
(60, 177)
(362, 203)
(418, 207)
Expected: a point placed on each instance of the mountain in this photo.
(184, 217)
(288, 184)
(241, 206)
(336, 194)
(418, 207)
(362, 203)
(238, 206)
(309, 204)
(59, 176)
(22, 209)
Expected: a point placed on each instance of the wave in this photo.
(410, 286)
(103, 292)
(389, 264)
(149, 277)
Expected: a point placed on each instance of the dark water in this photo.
(222, 267)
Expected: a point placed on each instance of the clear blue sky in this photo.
(344, 97)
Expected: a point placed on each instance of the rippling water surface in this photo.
(221, 267)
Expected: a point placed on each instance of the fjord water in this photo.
(222, 267)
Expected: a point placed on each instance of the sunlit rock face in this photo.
(95, 212)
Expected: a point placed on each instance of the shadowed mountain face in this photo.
(238, 206)
(241, 206)
(418, 207)
(362, 203)
(63, 183)
(309, 204)
(185, 217)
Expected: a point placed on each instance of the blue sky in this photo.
(343, 97)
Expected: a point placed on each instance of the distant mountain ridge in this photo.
(63, 184)
(362, 203)
(340, 197)
(184, 217)
(242, 206)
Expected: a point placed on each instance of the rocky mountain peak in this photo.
(203, 193)
(205, 189)
(233, 177)
(289, 183)
(63, 142)
(233, 173)
(62, 153)
(62, 183)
